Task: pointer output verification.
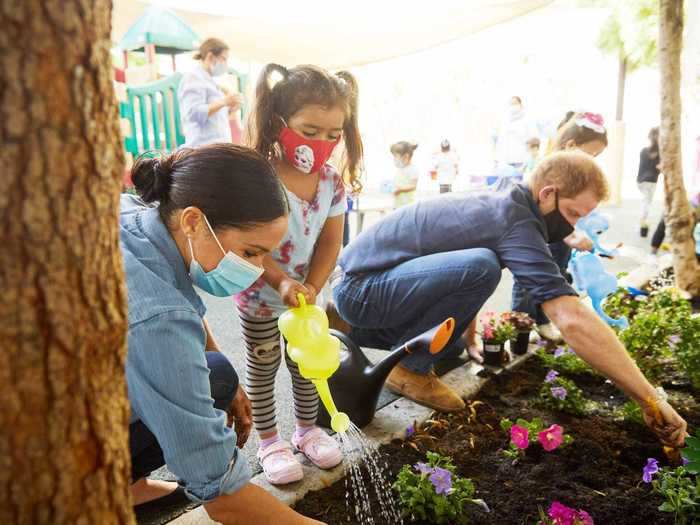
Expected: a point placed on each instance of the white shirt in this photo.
(446, 164)
(196, 92)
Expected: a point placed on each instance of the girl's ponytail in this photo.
(263, 126)
(351, 169)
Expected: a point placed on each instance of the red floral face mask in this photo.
(306, 155)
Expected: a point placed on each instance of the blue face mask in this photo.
(231, 276)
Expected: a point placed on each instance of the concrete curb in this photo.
(389, 423)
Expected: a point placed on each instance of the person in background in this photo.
(297, 122)
(648, 177)
(446, 165)
(657, 239)
(513, 135)
(204, 105)
(584, 132)
(406, 178)
(533, 151)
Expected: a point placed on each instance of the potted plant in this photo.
(522, 323)
(495, 331)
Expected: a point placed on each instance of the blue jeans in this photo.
(146, 454)
(520, 299)
(390, 307)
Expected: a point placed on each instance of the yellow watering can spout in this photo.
(317, 353)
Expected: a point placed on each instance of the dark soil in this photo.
(601, 472)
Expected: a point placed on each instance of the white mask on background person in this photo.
(398, 162)
(218, 69)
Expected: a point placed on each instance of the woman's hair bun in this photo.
(152, 177)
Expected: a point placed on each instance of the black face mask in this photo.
(558, 228)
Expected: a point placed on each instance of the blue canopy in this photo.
(162, 27)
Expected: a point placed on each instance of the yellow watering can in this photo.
(315, 351)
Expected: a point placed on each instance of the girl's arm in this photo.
(287, 287)
(326, 253)
(211, 344)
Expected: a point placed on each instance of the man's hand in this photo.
(240, 413)
(290, 288)
(665, 422)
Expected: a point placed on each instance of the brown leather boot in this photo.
(424, 389)
(335, 321)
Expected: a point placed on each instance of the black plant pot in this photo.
(519, 345)
(494, 355)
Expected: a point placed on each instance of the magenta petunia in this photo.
(551, 438)
(520, 437)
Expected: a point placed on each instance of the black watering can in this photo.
(357, 383)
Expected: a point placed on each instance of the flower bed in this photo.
(600, 472)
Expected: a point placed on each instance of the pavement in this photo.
(221, 314)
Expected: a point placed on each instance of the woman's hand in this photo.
(289, 289)
(240, 413)
(579, 242)
(665, 422)
(233, 101)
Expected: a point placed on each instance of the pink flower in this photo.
(584, 518)
(595, 118)
(551, 438)
(561, 514)
(520, 437)
(487, 332)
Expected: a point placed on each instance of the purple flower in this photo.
(674, 340)
(560, 351)
(410, 430)
(442, 480)
(558, 392)
(423, 468)
(551, 376)
(684, 460)
(651, 468)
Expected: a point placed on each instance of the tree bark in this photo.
(621, 81)
(64, 412)
(680, 219)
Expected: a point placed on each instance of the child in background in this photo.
(533, 151)
(648, 177)
(446, 166)
(406, 178)
(297, 123)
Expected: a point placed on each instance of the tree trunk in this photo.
(621, 80)
(64, 412)
(680, 219)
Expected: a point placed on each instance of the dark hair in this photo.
(215, 46)
(299, 87)
(403, 148)
(566, 119)
(579, 134)
(232, 185)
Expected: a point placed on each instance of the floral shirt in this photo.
(306, 220)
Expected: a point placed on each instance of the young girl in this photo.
(406, 179)
(648, 177)
(297, 123)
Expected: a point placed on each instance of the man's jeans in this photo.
(146, 454)
(390, 307)
(520, 299)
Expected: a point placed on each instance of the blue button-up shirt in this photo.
(508, 222)
(166, 369)
(197, 90)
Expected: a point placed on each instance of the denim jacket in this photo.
(166, 369)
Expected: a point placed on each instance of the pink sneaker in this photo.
(279, 464)
(321, 449)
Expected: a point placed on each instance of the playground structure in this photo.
(148, 106)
